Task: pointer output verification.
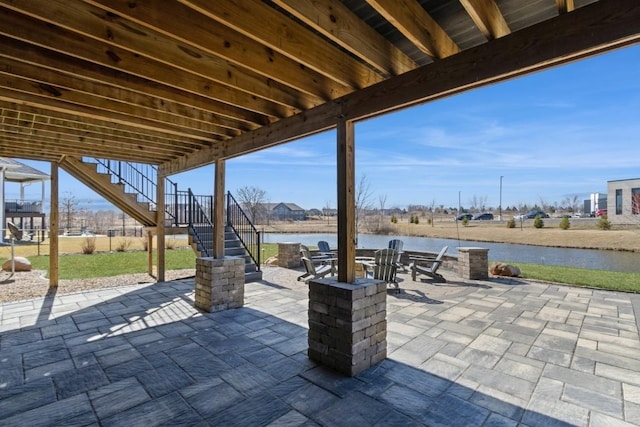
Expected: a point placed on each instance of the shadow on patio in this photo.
(142, 355)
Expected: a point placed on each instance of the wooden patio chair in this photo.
(315, 259)
(398, 244)
(385, 267)
(325, 249)
(313, 272)
(428, 266)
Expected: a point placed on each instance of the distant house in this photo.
(314, 212)
(288, 211)
(329, 212)
(623, 203)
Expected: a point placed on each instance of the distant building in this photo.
(314, 212)
(285, 211)
(623, 206)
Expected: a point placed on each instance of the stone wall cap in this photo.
(359, 284)
(471, 248)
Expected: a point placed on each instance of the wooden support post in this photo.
(150, 252)
(53, 228)
(346, 202)
(219, 222)
(160, 228)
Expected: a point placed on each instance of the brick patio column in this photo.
(288, 255)
(347, 324)
(219, 283)
(473, 263)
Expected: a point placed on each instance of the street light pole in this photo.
(500, 207)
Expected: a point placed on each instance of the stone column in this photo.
(288, 255)
(219, 283)
(347, 324)
(473, 263)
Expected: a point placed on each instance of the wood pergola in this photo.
(186, 83)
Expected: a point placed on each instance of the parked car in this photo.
(483, 216)
(531, 214)
(460, 217)
(600, 212)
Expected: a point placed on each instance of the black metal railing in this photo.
(249, 236)
(199, 214)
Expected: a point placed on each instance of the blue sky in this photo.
(558, 133)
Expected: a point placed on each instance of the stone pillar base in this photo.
(347, 324)
(219, 283)
(289, 255)
(473, 263)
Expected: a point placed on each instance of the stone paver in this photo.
(497, 352)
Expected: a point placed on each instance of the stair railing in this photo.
(199, 217)
(249, 236)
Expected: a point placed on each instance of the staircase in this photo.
(132, 188)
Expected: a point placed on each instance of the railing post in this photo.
(259, 255)
(228, 207)
(175, 203)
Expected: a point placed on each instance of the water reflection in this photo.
(581, 258)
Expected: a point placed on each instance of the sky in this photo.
(559, 133)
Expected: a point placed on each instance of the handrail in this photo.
(199, 219)
(249, 236)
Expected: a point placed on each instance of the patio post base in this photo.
(473, 263)
(347, 324)
(219, 283)
(288, 255)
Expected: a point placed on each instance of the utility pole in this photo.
(500, 207)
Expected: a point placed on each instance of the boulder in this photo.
(21, 264)
(502, 269)
(272, 261)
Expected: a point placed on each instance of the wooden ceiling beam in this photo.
(36, 131)
(590, 30)
(199, 32)
(18, 26)
(263, 23)
(103, 26)
(336, 22)
(225, 115)
(27, 112)
(44, 143)
(105, 108)
(487, 17)
(86, 92)
(565, 6)
(410, 18)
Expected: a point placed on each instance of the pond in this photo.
(581, 258)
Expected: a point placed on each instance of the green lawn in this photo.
(111, 264)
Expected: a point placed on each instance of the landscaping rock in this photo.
(21, 264)
(501, 269)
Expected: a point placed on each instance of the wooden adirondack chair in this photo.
(385, 267)
(428, 266)
(313, 272)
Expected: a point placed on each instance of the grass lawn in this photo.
(105, 264)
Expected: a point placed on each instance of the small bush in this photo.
(538, 222)
(564, 223)
(604, 223)
(123, 244)
(511, 223)
(394, 219)
(88, 245)
(416, 220)
(465, 221)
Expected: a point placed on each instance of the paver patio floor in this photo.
(482, 353)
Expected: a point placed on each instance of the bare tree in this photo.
(382, 200)
(68, 209)
(478, 203)
(432, 209)
(363, 199)
(252, 200)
